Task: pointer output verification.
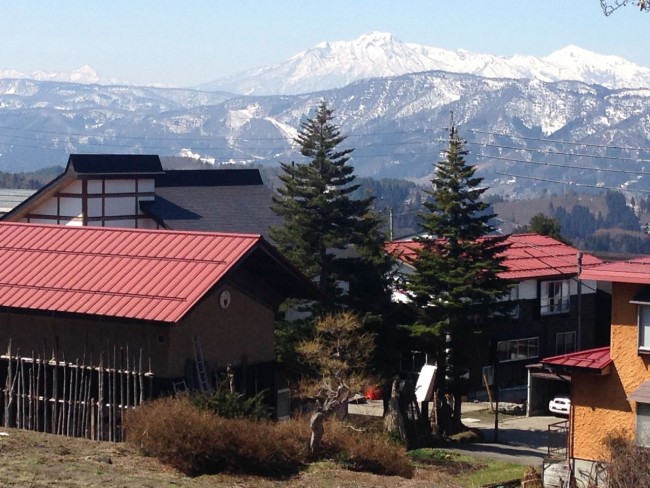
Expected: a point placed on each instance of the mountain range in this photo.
(378, 54)
(527, 130)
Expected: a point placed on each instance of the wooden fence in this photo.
(77, 399)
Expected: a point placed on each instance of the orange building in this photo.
(610, 387)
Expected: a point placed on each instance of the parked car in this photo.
(561, 405)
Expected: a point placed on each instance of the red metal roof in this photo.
(529, 256)
(597, 360)
(138, 274)
(633, 271)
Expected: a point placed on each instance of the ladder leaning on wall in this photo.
(201, 371)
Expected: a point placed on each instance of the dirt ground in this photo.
(37, 460)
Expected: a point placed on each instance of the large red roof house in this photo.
(83, 290)
(547, 318)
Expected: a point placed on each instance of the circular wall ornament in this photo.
(224, 299)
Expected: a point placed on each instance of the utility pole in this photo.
(579, 335)
(390, 223)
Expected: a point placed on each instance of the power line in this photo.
(561, 153)
(554, 141)
(569, 166)
(569, 183)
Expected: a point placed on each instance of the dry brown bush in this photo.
(362, 451)
(628, 464)
(198, 442)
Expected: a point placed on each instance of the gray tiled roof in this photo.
(244, 208)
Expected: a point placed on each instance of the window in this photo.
(565, 342)
(644, 328)
(643, 424)
(514, 297)
(554, 297)
(518, 349)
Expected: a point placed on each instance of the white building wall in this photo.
(528, 290)
(115, 206)
(74, 187)
(70, 206)
(47, 208)
(120, 186)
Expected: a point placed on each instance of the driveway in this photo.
(522, 440)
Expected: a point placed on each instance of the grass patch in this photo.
(467, 470)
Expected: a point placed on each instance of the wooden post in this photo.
(489, 392)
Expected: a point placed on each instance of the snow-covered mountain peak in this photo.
(85, 75)
(334, 64)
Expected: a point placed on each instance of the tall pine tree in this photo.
(329, 235)
(456, 286)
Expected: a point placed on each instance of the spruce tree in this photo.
(456, 286)
(326, 233)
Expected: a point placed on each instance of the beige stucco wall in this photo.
(600, 403)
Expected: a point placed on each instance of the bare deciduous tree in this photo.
(610, 7)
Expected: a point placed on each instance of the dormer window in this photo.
(554, 297)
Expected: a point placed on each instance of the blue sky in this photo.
(187, 42)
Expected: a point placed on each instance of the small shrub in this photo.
(230, 405)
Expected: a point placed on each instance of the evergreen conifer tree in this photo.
(327, 234)
(456, 286)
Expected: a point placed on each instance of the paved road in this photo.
(522, 440)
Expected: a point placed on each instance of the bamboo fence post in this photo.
(37, 418)
(100, 399)
(8, 388)
(64, 406)
(121, 376)
(112, 396)
(32, 385)
(140, 379)
(92, 419)
(19, 391)
(75, 400)
(45, 396)
(55, 394)
(128, 378)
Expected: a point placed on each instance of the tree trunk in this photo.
(456, 421)
(316, 424)
(394, 422)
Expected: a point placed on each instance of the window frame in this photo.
(554, 304)
(643, 342)
(557, 342)
(532, 344)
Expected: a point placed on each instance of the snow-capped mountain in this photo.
(331, 65)
(524, 135)
(85, 74)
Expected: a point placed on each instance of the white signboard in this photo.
(424, 386)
